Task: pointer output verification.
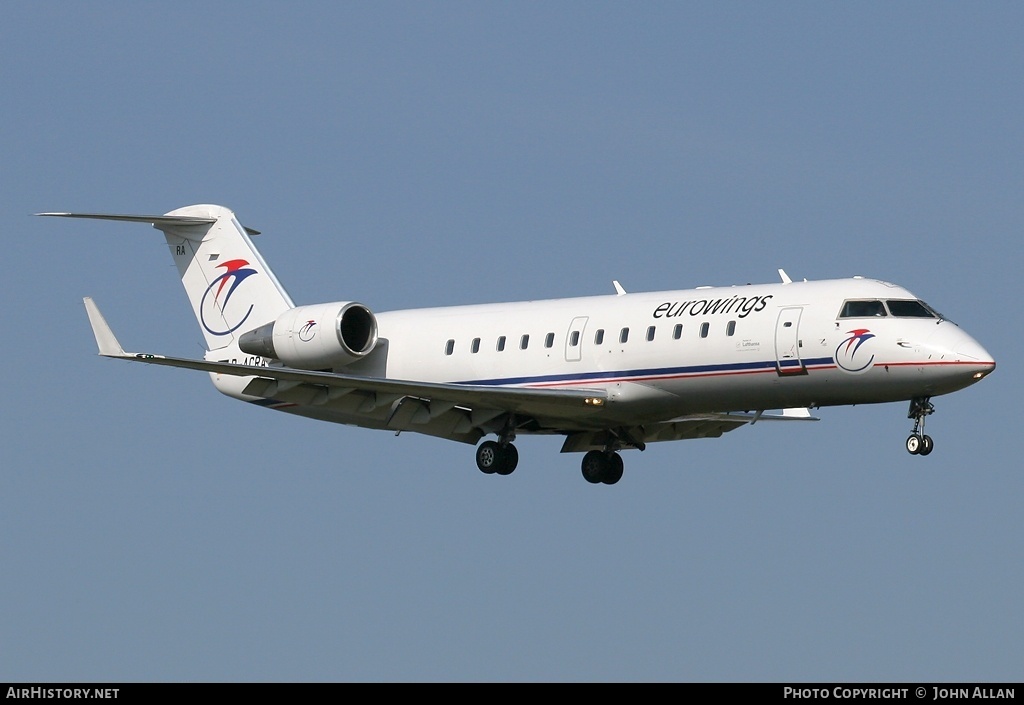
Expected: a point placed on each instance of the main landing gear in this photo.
(599, 466)
(494, 457)
(605, 466)
(500, 456)
(917, 442)
(602, 466)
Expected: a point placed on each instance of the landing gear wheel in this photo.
(593, 466)
(914, 444)
(926, 445)
(602, 467)
(510, 459)
(492, 457)
(489, 457)
(613, 473)
(918, 443)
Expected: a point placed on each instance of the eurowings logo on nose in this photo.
(217, 313)
(847, 356)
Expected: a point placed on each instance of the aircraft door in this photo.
(787, 343)
(574, 339)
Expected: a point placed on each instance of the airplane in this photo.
(606, 372)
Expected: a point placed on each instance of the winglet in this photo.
(108, 345)
(785, 277)
(619, 291)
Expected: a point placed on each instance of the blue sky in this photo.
(422, 154)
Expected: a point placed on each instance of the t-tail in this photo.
(230, 287)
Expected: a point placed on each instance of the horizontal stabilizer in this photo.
(156, 220)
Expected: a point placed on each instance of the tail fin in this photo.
(231, 288)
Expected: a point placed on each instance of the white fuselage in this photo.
(700, 350)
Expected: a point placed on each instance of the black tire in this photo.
(509, 459)
(613, 473)
(926, 445)
(594, 466)
(489, 457)
(913, 444)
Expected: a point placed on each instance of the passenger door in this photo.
(787, 342)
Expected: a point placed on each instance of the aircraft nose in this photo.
(972, 350)
(957, 347)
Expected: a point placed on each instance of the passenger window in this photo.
(650, 333)
(449, 347)
(475, 347)
(524, 342)
(862, 309)
(599, 336)
(730, 328)
(704, 328)
(574, 339)
(549, 340)
(624, 335)
(677, 332)
(501, 343)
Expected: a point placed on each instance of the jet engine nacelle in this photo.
(315, 337)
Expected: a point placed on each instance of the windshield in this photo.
(897, 308)
(909, 309)
(862, 309)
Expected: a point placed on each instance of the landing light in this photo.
(593, 401)
(979, 375)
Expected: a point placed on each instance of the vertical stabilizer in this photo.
(230, 287)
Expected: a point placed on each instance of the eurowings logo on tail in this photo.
(847, 356)
(216, 309)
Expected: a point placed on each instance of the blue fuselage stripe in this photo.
(613, 375)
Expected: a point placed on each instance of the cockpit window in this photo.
(910, 309)
(934, 312)
(862, 309)
(898, 308)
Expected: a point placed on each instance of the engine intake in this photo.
(315, 337)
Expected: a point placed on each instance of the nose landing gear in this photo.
(917, 442)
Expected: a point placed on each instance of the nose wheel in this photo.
(917, 442)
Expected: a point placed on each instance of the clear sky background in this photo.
(420, 154)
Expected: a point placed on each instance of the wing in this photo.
(455, 411)
(710, 425)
